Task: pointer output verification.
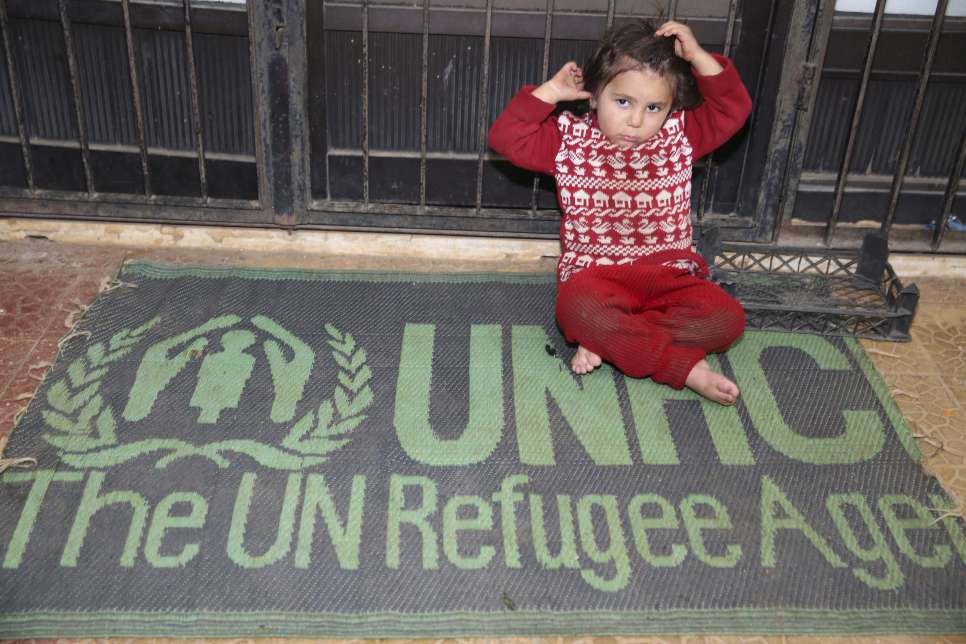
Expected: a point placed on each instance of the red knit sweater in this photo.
(620, 206)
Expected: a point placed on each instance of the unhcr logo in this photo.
(83, 426)
(621, 501)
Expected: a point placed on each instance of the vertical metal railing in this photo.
(766, 195)
(365, 102)
(484, 103)
(952, 187)
(195, 99)
(611, 7)
(135, 76)
(900, 173)
(544, 70)
(423, 107)
(328, 167)
(811, 71)
(258, 109)
(76, 92)
(16, 95)
(706, 194)
(672, 9)
(842, 178)
(85, 97)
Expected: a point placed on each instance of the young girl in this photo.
(631, 289)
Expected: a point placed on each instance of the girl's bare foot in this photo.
(585, 361)
(711, 385)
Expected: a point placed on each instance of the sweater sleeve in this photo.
(526, 133)
(725, 109)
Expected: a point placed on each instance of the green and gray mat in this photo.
(251, 452)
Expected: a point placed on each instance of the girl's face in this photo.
(632, 107)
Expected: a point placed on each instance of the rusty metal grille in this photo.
(110, 103)
(373, 115)
(403, 166)
(876, 130)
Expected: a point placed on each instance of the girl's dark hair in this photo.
(634, 46)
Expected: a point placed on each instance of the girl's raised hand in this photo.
(685, 44)
(566, 85)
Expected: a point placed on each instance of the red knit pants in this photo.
(648, 320)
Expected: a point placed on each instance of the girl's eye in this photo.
(654, 108)
(623, 102)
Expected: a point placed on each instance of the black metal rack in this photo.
(816, 290)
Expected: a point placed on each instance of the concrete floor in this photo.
(46, 280)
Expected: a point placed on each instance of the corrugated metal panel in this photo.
(453, 103)
(455, 77)
(940, 129)
(343, 80)
(514, 62)
(44, 79)
(829, 131)
(225, 89)
(395, 79)
(165, 89)
(105, 84)
(8, 116)
(885, 118)
(562, 51)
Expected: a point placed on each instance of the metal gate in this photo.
(125, 111)
(870, 130)
(359, 115)
(406, 128)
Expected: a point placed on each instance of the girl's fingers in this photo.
(673, 29)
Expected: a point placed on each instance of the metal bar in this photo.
(412, 154)
(136, 91)
(544, 70)
(775, 154)
(365, 102)
(354, 207)
(900, 174)
(75, 89)
(484, 99)
(730, 33)
(67, 206)
(17, 97)
(133, 149)
(811, 77)
(423, 107)
(316, 156)
(951, 188)
(706, 196)
(47, 198)
(260, 108)
(610, 12)
(856, 118)
(297, 50)
(460, 212)
(195, 100)
(672, 9)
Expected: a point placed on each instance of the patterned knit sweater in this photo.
(622, 205)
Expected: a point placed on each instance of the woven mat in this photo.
(250, 452)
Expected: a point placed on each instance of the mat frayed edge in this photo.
(74, 318)
(10, 463)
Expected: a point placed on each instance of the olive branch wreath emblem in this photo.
(84, 428)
